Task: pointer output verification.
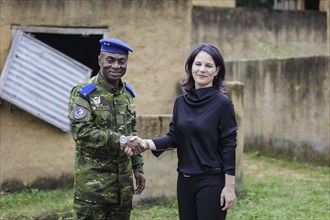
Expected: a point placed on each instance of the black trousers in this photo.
(199, 196)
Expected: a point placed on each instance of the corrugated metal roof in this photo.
(38, 79)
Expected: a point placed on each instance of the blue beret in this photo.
(115, 46)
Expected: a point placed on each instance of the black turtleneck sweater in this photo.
(203, 129)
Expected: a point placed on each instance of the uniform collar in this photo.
(109, 86)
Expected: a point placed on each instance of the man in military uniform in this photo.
(102, 116)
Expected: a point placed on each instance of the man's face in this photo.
(113, 66)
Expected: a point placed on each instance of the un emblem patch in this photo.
(79, 112)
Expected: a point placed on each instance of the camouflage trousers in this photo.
(101, 211)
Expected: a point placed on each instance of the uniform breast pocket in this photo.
(103, 115)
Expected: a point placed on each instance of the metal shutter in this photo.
(38, 79)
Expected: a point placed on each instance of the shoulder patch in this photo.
(130, 89)
(87, 89)
(79, 112)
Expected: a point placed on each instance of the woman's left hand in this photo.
(227, 197)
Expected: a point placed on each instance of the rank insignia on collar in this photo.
(79, 112)
(131, 109)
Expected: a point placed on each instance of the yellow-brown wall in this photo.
(160, 35)
(216, 3)
(32, 148)
(157, 30)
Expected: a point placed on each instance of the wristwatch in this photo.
(122, 140)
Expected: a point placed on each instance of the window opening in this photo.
(84, 48)
(312, 5)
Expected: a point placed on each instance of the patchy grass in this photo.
(35, 204)
(273, 189)
(282, 189)
(158, 212)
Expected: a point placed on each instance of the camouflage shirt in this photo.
(103, 172)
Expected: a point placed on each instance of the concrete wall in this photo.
(159, 32)
(282, 98)
(248, 34)
(216, 3)
(32, 148)
(325, 6)
(286, 106)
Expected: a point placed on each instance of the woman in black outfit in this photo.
(203, 129)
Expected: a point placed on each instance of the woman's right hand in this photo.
(134, 146)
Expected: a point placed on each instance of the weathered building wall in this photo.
(280, 96)
(158, 31)
(160, 34)
(325, 6)
(216, 3)
(286, 106)
(248, 34)
(32, 148)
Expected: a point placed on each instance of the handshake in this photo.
(133, 145)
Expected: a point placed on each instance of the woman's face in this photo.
(204, 70)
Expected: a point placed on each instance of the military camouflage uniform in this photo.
(99, 114)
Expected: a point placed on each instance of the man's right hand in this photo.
(134, 146)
